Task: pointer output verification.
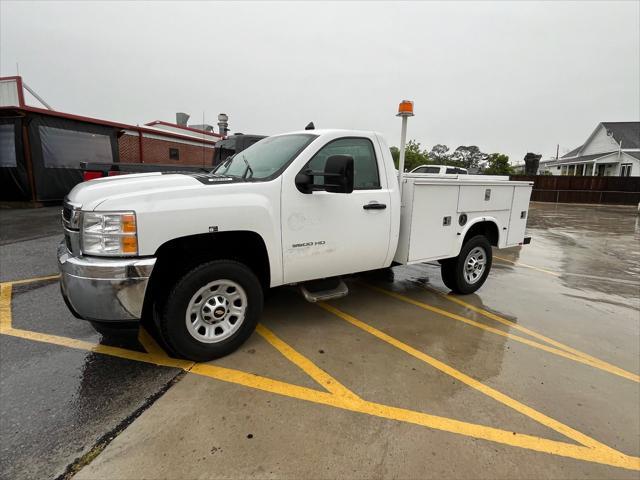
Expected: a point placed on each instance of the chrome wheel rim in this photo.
(475, 265)
(216, 311)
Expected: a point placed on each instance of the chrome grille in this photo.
(70, 215)
(70, 223)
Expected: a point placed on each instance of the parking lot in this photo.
(535, 376)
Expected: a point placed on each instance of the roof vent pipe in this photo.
(223, 123)
(182, 119)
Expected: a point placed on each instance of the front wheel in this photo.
(211, 311)
(468, 271)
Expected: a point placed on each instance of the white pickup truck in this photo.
(195, 252)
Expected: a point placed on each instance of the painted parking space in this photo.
(335, 394)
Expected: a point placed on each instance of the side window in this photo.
(427, 170)
(365, 165)
(452, 170)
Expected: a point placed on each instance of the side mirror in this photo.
(337, 176)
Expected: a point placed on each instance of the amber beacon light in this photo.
(405, 109)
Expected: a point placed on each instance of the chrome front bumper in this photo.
(104, 289)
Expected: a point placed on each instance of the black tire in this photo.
(453, 269)
(172, 318)
(447, 270)
(115, 329)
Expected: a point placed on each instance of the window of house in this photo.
(572, 170)
(579, 170)
(174, 154)
(625, 170)
(365, 165)
(62, 148)
(564, 170)
(7, 146)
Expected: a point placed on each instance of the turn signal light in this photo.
(129, 245)
(128, 223)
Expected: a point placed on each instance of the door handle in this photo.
(374, 206)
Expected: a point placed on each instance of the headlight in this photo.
(109, 233)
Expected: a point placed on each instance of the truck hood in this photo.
(89, 195)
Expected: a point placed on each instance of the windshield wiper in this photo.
(226, 163)
(248, 169)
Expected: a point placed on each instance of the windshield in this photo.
(266, 157)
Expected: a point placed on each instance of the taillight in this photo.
(91, 174)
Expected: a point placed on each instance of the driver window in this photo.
(365, 165)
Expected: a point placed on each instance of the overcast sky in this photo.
(509, 77)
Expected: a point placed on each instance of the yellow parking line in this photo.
(561, 352)
(467, 380)
(149, 343)
(310, 368)
(5, 307)
(520, 440)
(518, 264)
(597, 363)
(530, 442)
(98, 348)
(596, 454)
(31, 280)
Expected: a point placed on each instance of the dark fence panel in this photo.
(560, 189)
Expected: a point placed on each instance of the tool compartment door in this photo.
(484, 198)
(519, 214)
(433, 222)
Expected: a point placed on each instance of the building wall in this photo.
(600, 143)
(635, 165)
(157, 151)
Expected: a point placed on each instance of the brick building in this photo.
(167, 143)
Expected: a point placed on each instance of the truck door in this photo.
(326, 234)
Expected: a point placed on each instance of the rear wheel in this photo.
(469, 270)
(211, 310)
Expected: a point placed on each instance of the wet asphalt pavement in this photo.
(56, 403)
(578, 283)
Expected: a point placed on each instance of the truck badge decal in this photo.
(308, 244)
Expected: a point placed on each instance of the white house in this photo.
(613, 149)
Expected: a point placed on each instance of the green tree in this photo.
(439, 154)
(414, 155)
(468, 157)
(498, 164)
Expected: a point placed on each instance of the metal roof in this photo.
(118, 125)
(573, 152)
(626, 132)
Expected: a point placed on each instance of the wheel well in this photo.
(176, 257)
(487, 228)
